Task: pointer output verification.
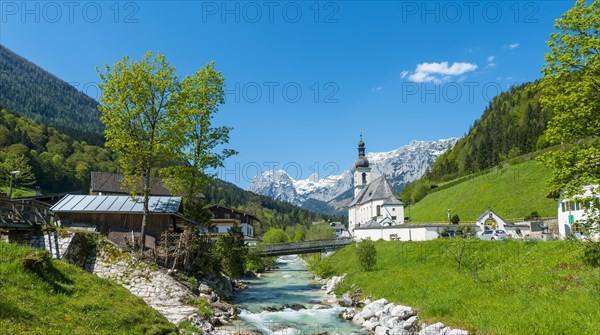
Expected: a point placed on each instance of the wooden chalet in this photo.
(223, 218)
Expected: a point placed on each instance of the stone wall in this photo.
(53, 242)
(158, 288)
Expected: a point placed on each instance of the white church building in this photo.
(374, 205)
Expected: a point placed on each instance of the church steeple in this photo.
(362, 161)
(362, 171)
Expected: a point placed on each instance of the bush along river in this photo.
(288, 300)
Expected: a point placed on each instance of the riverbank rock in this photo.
(346, 300)
(410, 323)
(196, 320)
(403, 312)
(348, 314)
(371, 324)
(358, 319)
(440, 329)
(321, 306)
(381, 317)
(373, 308)
(332, 283)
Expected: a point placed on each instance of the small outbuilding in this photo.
(120, 213)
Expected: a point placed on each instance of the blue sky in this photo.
(304, 78)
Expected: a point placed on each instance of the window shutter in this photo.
(563, 206)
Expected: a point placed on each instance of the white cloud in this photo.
(490, 61)
(375, 89)
(404, 74)
(511, 46)
(437, 72)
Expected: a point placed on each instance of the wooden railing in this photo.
(20, 212)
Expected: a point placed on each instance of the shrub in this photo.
(468, 231)
(204, 308)
(455, 219)
(321, 267)
(275, 235)
(533, 215)
(591, 254)
(38, 261)
(367, 254)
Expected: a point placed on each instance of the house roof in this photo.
(378, 189)
(107, 182)
(486, 215)
(115, 204)
(232, 210)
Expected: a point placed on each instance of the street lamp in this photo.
(12, 174)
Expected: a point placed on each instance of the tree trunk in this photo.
(146, 211)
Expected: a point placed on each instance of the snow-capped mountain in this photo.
(401, 166)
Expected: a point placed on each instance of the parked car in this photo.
(493, 235)
(447, 233)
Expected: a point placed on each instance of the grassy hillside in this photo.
(41, 296)
(511, 125)
(506, 287)
(512, 192)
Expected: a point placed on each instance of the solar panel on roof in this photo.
(105, 205)
(97, 201)
(72, 202)
(118, 204)
(83, 203)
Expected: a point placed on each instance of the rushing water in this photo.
(290, 284)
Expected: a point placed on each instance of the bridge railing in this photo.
(306, 245)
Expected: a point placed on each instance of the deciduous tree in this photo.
(141, 117)
(571, 89)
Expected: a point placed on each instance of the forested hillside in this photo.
(271, 213)
(512, 125)
(46, 157)
(47, 129)
(58, 163)
(30, 91)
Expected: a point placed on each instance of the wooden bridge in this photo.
(294, 248)
(23, 214)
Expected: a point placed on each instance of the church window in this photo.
(364, 178)
(378, 210)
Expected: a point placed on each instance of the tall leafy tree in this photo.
(141, 115)
(571, 89)
(198, 101)
(161, 124)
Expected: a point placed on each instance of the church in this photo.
(374, 205)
